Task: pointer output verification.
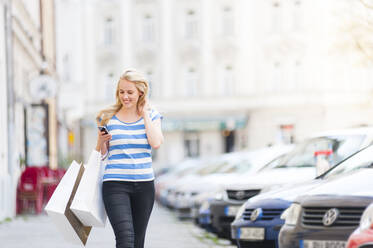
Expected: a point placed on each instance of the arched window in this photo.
(66, 67)
(227, 21)
(276, 16)
(277, 77)
(298, 74)
(150, 77)
(148, 34)
(297, 15)
(191, 24)
(108, 31)
(191, 81)
(110, 86)
(227, 84)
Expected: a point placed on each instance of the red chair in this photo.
(61, 172)
(50, 180)
(45, 171)
(30, 190)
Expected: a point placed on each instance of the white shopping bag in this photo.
(88, 205)
(58, 207)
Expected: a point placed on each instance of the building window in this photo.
(191, 144)
(276, 16)
(227, 22)
(191, 81)
(110, 87)
(191, 25)
(277, 76)
(227, 84)
(108, 31)
(66, 68)
(229, 140)
(148, 29)
(297, 15)
(286, 134)
(298, 80)
(150, 77)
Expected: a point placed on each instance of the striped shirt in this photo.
(130, 155)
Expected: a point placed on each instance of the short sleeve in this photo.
(155, 115)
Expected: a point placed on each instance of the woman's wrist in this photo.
(99, 146)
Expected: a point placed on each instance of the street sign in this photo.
(42, 87)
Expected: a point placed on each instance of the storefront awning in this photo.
(204, 124)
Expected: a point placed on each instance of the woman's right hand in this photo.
(102, 139)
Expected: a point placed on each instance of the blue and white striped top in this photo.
(130, 155)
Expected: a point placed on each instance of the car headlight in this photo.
(291, 214)
(220, 195)
(205, 206)
(240, 212)
(366, 220)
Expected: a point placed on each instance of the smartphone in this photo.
(104, 129)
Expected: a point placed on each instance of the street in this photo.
(164, 230)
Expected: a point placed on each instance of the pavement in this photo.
(164, 231)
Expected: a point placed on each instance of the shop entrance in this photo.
(229, 140)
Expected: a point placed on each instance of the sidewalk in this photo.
(164, 231)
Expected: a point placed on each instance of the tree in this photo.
(356, 30)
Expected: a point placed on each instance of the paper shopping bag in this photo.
(88, 205)
(58, 207)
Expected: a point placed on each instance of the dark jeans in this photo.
(128, 206)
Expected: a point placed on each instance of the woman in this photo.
(128, 182)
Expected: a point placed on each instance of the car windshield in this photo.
(237, 166)
(211, 166)
(362, 159)
(214, 166)
(304, 155)
(227, 167)
(185, 167)
(274, 163)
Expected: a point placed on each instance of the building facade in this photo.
(70, 47)
(28, 87)
(4, 170)
(227, 75)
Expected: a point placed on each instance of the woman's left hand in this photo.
(145, 108)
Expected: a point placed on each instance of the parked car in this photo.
(201, 205)
(204, 167)
(263, 212)
(362, 237)
(298, 166)
(233, 166)
(175, 173)
(328, 214)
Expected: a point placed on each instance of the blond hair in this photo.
(142, 86)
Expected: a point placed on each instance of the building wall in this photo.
(172, 147)
(26, 65)
(271, 66)
(4, 173)
(25, 53)
(69, 66)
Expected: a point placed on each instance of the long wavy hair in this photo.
(141, 84)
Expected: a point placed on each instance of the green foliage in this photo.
(65, 161)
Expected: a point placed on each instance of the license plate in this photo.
(323, 244)
(231, 210)
(205, 220)
(251, 233)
